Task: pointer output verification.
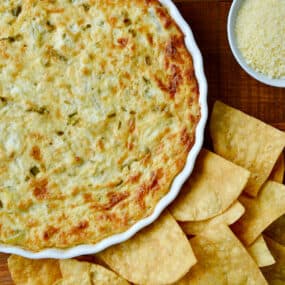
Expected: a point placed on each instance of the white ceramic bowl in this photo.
(237, 54)
(178, 181)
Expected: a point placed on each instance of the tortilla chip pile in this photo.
(226, 224)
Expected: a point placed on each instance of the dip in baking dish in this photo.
(98, 111)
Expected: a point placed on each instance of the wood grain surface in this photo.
(227, 81)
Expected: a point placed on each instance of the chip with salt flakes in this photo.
(277, 173)
(229, 217)
(221, 260)
(260, 212)
(276, 230)
(260, 253)
(159, 254)
(247, 142)
(33, 272)
(275, 274)
(214, 185)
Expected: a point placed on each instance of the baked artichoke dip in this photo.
(98, 110)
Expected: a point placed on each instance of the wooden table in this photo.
(227, 81)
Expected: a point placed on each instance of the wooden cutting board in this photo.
(227, 81)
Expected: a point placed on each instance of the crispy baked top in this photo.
(98, 111)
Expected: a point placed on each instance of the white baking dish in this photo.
(178, 181)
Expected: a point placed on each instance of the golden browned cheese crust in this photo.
(98, 111)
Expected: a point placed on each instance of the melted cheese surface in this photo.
(98, 110)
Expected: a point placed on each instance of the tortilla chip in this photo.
(58, 282)
(221, 260)
(214, 185)
(260, 212)
(276, 230)
(277, 173)
(247, 142)
(159, 254)
(275, 274)
(75, 272)
(78, 272)
(33, 272)
(102, 276)
(65, 282)
(260, 253)
(229, 217)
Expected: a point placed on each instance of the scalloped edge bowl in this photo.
(178, 181)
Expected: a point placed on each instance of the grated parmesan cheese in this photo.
(260, 33)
